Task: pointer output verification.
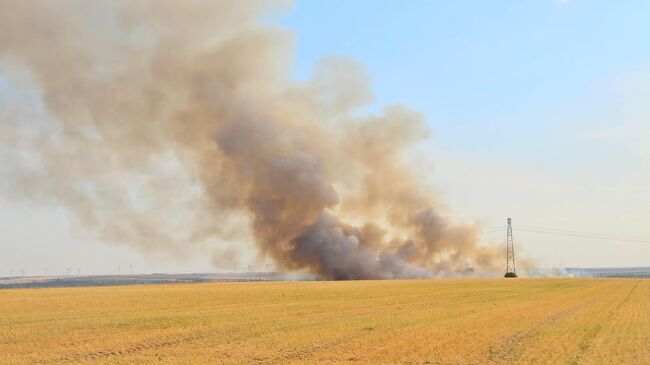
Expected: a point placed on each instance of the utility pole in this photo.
(511, 271)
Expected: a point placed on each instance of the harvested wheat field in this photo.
(524, 321)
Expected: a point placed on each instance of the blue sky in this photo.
(538, 110)
(500, 67)
(536, 107)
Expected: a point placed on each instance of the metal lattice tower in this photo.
(511, 271)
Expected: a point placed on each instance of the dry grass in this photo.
(554, 321)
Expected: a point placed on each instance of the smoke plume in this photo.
(176, 126)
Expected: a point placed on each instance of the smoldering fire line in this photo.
(176, 127)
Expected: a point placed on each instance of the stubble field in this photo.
(522, 321)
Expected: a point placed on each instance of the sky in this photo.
(539, 111)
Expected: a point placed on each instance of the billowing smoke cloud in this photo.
(175, 127)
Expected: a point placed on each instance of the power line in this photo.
(585, 233)
(566, 233)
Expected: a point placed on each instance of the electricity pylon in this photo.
(511, 271)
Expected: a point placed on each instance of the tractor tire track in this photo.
(507, 350)
(587, 341)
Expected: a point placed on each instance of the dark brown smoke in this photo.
(175, 126)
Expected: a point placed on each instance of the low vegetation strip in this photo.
(523, 321)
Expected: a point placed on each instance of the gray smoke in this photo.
(175, 127)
